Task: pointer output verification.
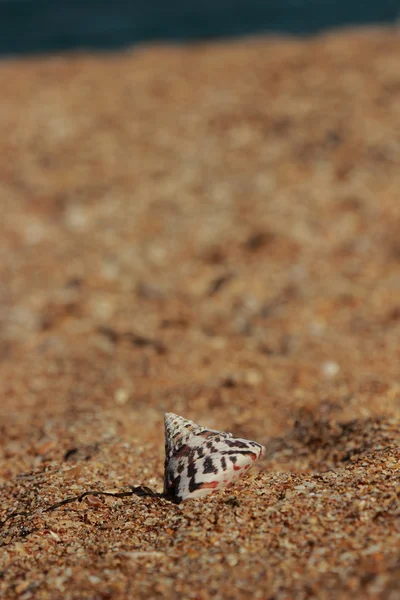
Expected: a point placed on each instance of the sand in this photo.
(212, 230)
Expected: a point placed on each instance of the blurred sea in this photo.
(48, 25)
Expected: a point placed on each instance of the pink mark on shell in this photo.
(209, 484)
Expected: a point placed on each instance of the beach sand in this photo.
(212, 230)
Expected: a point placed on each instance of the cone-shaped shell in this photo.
(199, 460)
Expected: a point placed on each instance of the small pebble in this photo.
(330, 369)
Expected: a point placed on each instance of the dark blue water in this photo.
(48, 25)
